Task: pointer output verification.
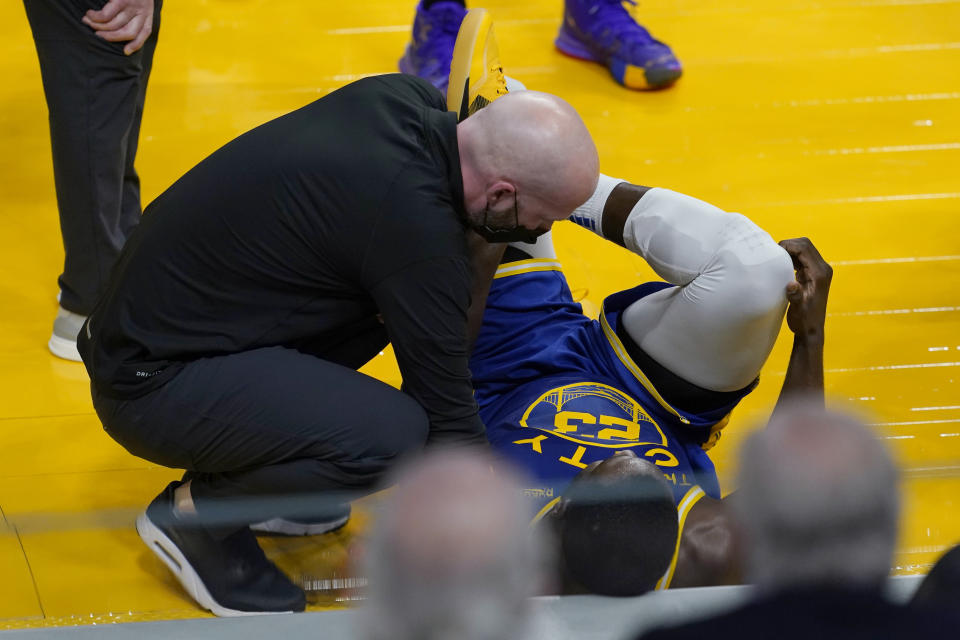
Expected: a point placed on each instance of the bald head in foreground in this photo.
(452, 554)
(527, 161)
(818, 506)
(818, 502)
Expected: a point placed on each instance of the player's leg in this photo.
(528, 309)
(718, 326)
(604, 31)
(130, 205)
(428, 54)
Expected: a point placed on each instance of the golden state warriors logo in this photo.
(593, 414)
(593, 418)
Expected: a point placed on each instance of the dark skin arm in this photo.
(708, 554)
(806, 317)
(617, 208)
(484, 259)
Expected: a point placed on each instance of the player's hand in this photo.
(122, 20)
(808, 294)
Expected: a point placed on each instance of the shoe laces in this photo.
(501, 80)
(616, 28)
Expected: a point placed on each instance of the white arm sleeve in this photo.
(718, 326)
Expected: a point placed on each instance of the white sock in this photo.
(589, 215)
(514, 85)
(542, 249)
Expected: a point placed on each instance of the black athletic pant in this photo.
(275, 422)
(95, 97)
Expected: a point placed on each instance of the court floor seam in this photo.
(33, 579)
(47, 417)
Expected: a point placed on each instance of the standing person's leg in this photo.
(266, 433)
(130, 202)
(428, 54)
(94, 96)
(717, 327)
(605, 31)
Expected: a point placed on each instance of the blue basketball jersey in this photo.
(558, 390)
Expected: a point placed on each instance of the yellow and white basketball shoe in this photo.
(476, 75)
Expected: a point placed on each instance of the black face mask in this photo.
(514, 234)
(517, 234)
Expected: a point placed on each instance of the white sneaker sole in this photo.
(63, 348)
(170, 555)
(282, 527)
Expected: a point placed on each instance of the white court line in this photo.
(352, 77)
(848, 263)
(899, 197)
(804, 7)
(949, 470)
(947, 408)
(896, 3)
(357, 31)
(903, 148)
(915, 422)
(939, 548)
(894, 367)
(885, 312)
(820, 102)
(400, 28)
(813, 54)
(906, 97)
(900, 48)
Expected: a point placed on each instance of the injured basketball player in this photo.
(613, 417)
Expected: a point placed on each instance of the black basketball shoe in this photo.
(229, 575)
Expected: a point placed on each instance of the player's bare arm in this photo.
(708, 553)
(618, 207)
(806, 317)
(484, 258)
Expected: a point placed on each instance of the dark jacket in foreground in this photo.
(816, 615)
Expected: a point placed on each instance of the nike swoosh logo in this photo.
(89, 337)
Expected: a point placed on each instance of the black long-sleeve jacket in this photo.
(296, 233)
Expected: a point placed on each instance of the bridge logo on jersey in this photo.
(593, 414)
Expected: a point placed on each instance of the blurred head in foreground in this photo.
(616, 527)
(452, 553)
(818, 502)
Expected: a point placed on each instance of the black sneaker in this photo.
(229, 576)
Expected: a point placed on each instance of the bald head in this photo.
(818, 500)
(452, 553)
(451, 513)
(537, 144)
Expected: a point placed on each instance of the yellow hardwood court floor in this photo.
(834, 119)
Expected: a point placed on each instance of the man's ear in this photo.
(500, 190)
